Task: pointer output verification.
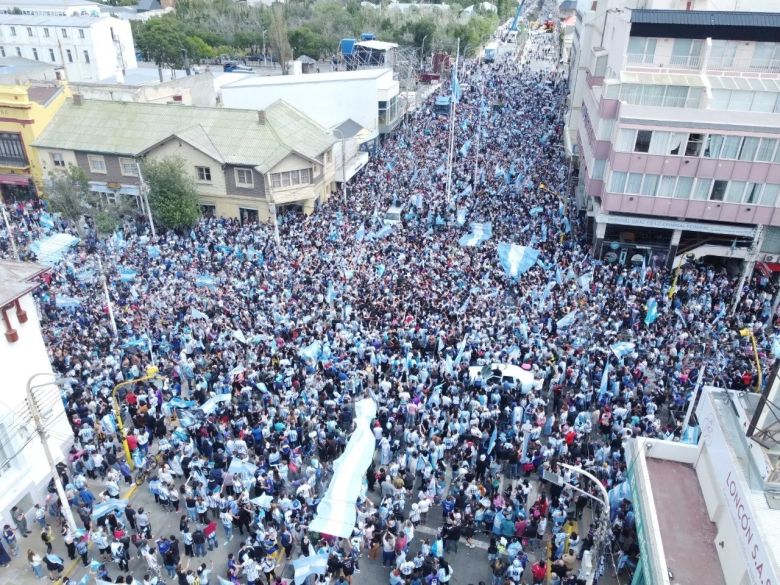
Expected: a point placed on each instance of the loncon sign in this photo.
(736, 498)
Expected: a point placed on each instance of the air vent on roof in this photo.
(261, 117)
(77, 100)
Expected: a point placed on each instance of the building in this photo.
(50, 7)
(26, 111)
(725, 491)
(367, 96)
(245, 163)
(143, 85)
(24, 470)
(675, 121)
(84, 48)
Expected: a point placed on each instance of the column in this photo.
(598, 238)
(674, 244)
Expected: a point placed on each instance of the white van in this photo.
(392, 216)
(516, 376)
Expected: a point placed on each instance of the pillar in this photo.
(598, 238)
(674, 244)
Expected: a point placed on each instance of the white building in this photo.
(50, 7)
(85, 48)
(709, 513)
(24, 471)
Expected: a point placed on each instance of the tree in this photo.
(172, 195)
(278, 32)
(163, 41)
(198, 49)
(307, 42)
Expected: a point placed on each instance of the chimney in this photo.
(261, 117)
(77, 101)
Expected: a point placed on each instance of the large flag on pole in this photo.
(516, 260)
(455, 83)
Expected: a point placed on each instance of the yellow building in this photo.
(25, 111)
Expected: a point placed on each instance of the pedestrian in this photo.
(130, 515)
(5, 560)
(81, 549)
(20, 520)
(47, 536)
(9, 536)
(36, 563)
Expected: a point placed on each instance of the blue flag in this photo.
(126, 274)
(622, 348)
(515, 259)
(652, 311)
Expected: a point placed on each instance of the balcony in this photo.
(676, 62)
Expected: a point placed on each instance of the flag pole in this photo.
(452, 126)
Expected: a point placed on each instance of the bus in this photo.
(490, 52)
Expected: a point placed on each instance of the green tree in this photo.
(172, 195)
(305, 41)
(280, 43)
(198, 49)
(163, 41)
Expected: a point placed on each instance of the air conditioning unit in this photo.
(768, 258)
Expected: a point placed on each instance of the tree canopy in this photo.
(172, 195)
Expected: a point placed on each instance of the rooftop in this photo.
(46, 3)
(228, 136)
(41, 94)
(60, 21)
(712, 18)
(16, 279)
(257, 80)
(17, 70)
(690, 553)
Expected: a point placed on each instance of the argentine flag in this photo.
(307, 566)
(480, 232)
(126, 274)
(622, 348)
(515, 259)
(652, 311)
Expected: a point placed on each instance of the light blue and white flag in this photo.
(306, 566)
(153, 251)
(721, 313)
(455, 83)
(480, 232)
(604, 380)
(205, 280)
(566, 225)
(211, 404)
(585, 281)
(493, 439)
(652, 311)
(380, 270)
(535, 211)
(85, 275)
(515, 259)
(679, 313)
(51, 249)
(66, 302)
(361, 233)
(103, 508)
(567, 320)
(127, 274)
(461, 216)
(690, 436)
(464, 150)
(196, 314)
(622, 348)
(311, 352)
(381, 233)
(46, 220)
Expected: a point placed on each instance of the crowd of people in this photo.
(263, 348)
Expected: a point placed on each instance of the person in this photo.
(388, 549)
(82, 548)
(54, 564)
(5, 560)
(444, 574)
(20, 520)
(36, 563)
(9, 536)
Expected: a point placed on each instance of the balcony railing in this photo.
(675, 62)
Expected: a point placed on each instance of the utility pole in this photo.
(108, 297)
(144, 199)
(11, 237)
(343, 164)
(453, 101)
(32, 405)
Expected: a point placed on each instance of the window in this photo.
(6, 449)
(305, 176)
(291, 178)
(64, 33)
(749, 148)
(70, 55)
(46, 32)
(208, 210)
(702, 190)
(244, 178)
(634, 183)
(52, 56)
(766, 150)
(601, 66)
(625, 140)
(598, 169)
(766, 57)
(649, 184)
(713, 145)
(669, 96)
(686, 52)
(731, 146)
(286, 180)
(97, 164)
(718, 190)
(128, 167)
(769, 195)
(13, 31)
(659, 142)
(29, 31)
(693, 148)
(752, 192)
(276, 180)
(86, 56)
(18, 52)
(666, 187)
(12, 150)
(57, 160)
(204, 174)
(683, 188)
(642, 143)
(35, 53)
(641, 50)
(618, 182)
(722, 54)
(734, 191)
(676, 142)
(81, 33)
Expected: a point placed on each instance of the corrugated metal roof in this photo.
(227, 135)
(706, 18)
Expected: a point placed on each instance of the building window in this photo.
(702, 189)
(291, 178)
(713, 146)
(769, 195)
(12, 150)
(667, 96)
(766, 150)
(641, 50)
(722, 54)
(731, 147)
(29, 31)
(387, 111)
(52, 56)
(693, 148)
(86, 56)
(70, 55)
(749, 148)
(13, 31)
(18, 51)
(752, 193)
(617, 182)
(718, 190)
(208, 210)
(64, 33)
(35, 53)
(81, 33)
(642, 143)
(204, 174)
(6, 449)
(128, 167)
(97, 164)
(57, 160)
(686, 52)
(46, 32)
(244, 178)
(766, 57)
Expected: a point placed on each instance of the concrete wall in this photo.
(194, 90)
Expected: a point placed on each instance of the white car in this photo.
(500, 373)
(392, 216)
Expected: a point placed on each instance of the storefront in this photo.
(17, 187)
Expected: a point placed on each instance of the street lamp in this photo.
(343, 165)
(32, 405)
(151, 372)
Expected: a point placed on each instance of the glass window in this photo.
(630, 93)
(617, 182)
(694, 97)
(769, 195)
(306, 176)
(713, 145)
(683, 189)
(718, 190)
(766, 149)
(641, 50)
(740, 101)
(720, 99)
(649, 185)
(295, 178)
(722, 54)
(70, 55)
(18, 52)
(625, 140)
(693, 148)
(97, 164)
(676, 142)
(81, 33)
(57, 159)
(642, 143)
(686, 52)
(12, 150)
(285, 179)
(35, 53)
(734, 191)
(29, 31)
(702, 190)
(659, 142)
(52, 56)
(86, 56)
(204, 174)
(244, 178)
(128, 167)
(749, 148)
(276, 180)
(666, 187)
(676, 96)
(46, 32)
(751, 193)
(634, 183)
(653, 95)
(64, 33)
(598, 169)
(763, 101)
(766, 57)
(731, 147)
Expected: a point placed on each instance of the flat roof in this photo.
(711, 18)
(58, 21)
(41, 94)
(377, 45)
(257, 80)
(52, 3)
(690, 553)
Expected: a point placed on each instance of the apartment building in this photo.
(246, 164)
(50, 7)
(675, 122)
(83, 48)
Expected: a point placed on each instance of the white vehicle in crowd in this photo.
(392, 215)
(516, 376)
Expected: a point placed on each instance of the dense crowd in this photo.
(294, 333)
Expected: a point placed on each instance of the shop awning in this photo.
(11, 179)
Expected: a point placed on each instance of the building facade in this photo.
(245, 164)
(84, 48)
(25, 111)
(50, 7)
(24, 470)
(675, 120)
